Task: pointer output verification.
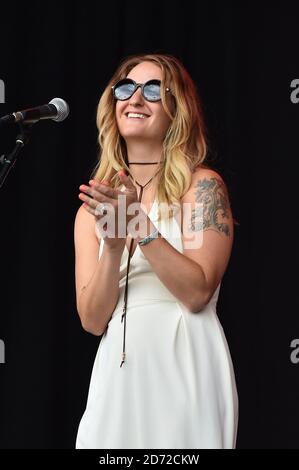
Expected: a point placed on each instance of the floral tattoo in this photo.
(211, 194)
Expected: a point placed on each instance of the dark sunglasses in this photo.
(125, 88)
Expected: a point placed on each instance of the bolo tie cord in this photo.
(124, 314)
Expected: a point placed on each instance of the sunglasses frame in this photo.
(137, 85)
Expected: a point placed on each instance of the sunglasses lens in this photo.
(124, 89)
(152, 90)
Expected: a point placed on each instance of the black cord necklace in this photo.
(124, 314)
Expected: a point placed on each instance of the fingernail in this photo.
(122, 173)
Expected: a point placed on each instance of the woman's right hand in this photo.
(114, 236)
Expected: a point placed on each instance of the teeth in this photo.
(136, 115)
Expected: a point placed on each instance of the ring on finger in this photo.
(101, 209)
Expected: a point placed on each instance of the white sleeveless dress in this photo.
(176, 389)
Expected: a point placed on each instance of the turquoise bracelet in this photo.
(149, 237)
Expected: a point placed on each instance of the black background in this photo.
(243, 60)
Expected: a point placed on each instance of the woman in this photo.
(163, 376)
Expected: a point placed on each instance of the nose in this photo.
(137, 98)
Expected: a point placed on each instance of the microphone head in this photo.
(62, 109)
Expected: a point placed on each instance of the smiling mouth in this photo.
(136, 115)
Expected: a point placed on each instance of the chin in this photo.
(132, 135)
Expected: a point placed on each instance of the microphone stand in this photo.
(7, 162)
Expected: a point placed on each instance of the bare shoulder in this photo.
(204, 180)
(82, 214)
(206, 174)
(85, 224)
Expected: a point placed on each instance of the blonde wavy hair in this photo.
(184, 145)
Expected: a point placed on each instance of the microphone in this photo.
(57, 110)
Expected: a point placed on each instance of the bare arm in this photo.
(97, 281)
(182, 276)
(192, 276)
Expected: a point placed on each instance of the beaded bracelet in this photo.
(149, 237)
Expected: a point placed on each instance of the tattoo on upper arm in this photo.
(212, 196)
